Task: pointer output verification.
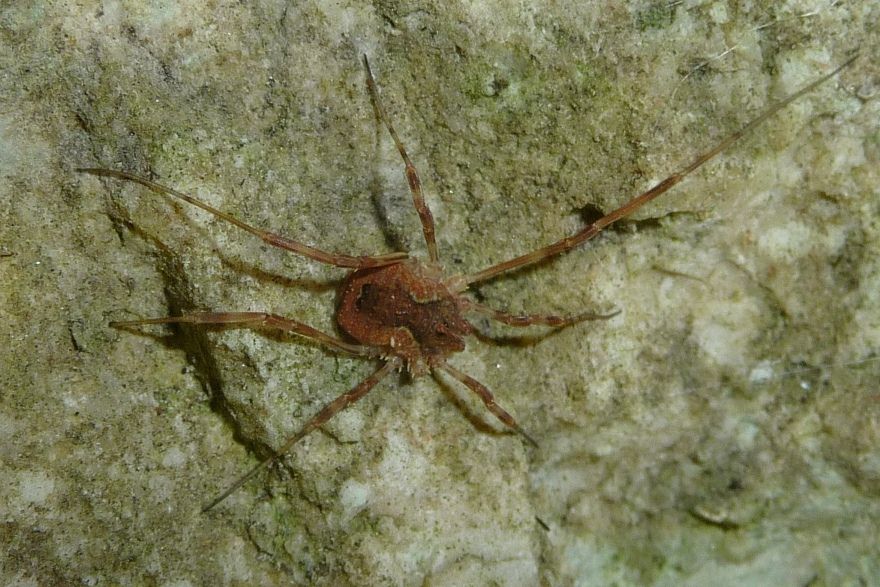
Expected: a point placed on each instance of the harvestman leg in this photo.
(318, 420)
(588, 232)
(270, 238)
(257, 319)
(288, 325)
(531, 319)
(488, 399)
(412, 176)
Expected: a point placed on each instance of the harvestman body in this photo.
(405, 311)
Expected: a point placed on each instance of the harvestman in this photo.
(402, 310)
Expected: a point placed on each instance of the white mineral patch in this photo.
(353, 497)
(173, 457)
(35, 486)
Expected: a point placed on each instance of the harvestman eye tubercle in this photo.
(404, 311)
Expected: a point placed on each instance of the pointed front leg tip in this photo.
(210, 506)
(528, 438)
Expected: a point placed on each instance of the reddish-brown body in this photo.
(406, 310)
(403, 310)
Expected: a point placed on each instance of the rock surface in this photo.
(723, 428)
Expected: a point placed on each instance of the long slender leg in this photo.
(412, 176)
(270, 238)
(257, 319)
(530, 319)
(318, 420)
(634, 204)
(488, 399)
